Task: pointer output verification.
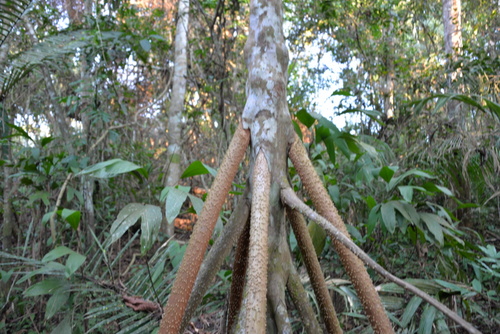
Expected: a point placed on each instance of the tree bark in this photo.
(175, 121)
(452, 23)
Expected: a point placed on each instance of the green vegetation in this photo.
(84, 100)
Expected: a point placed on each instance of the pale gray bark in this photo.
(267, 117)
(389, 85)
(175, 119)
(452, 23)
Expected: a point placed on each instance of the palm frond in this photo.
(50, 50)
(10, 13)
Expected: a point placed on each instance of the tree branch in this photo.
(290, 198)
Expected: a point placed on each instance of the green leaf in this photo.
(72, 217)
(195, 168)
(150, 226)
(55, 303)
(370, 201)
(451, 286)
(175, 253)
(57, 253)
(427, 320)
(43, 195)
(20, 132)
(51, 268)
(334, 192)
(476, 284)
(406, 192)
(494, 108)
(373, 218)
(373, 114)
(6, 275)
(297, 129)
(64, 326)
(396, 180)
(407, 211)
(318, 237)
(386, 173)
(48, 286)
(46, 140)
(342, 92)
(410, 310)
(197, 203)
(388, 216)
(432, 222)
(127, 217)
(110, 168)
(74, 262)
(157, 271)
(330, 148)
(145, 45)
(445, 190)
(173, 203)
(305, 118)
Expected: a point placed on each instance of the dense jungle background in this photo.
(397, 103)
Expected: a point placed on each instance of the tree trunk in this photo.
(389, 84)
(175, 121)
(267, 117)
(87, 183)
(452, 23)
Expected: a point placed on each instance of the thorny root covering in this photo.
(354, 267)
(178, 299)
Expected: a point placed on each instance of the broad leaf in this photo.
(396, 180)
(388, 216)
(150, 226)
(127, 217)
(48, 286)
(20, 131)
(432, 222)
(197, 203)
(64, 326)
(145, 45)
(195, 168)
(305, 118)
(406, 192)
(57, 253)
(386, 173)
(51, 268)
(74, 262)
(110, 168)
(72, 217)
(173, 203)
(55, 303)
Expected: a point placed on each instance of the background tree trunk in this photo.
(176, 109)
(452, 23)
